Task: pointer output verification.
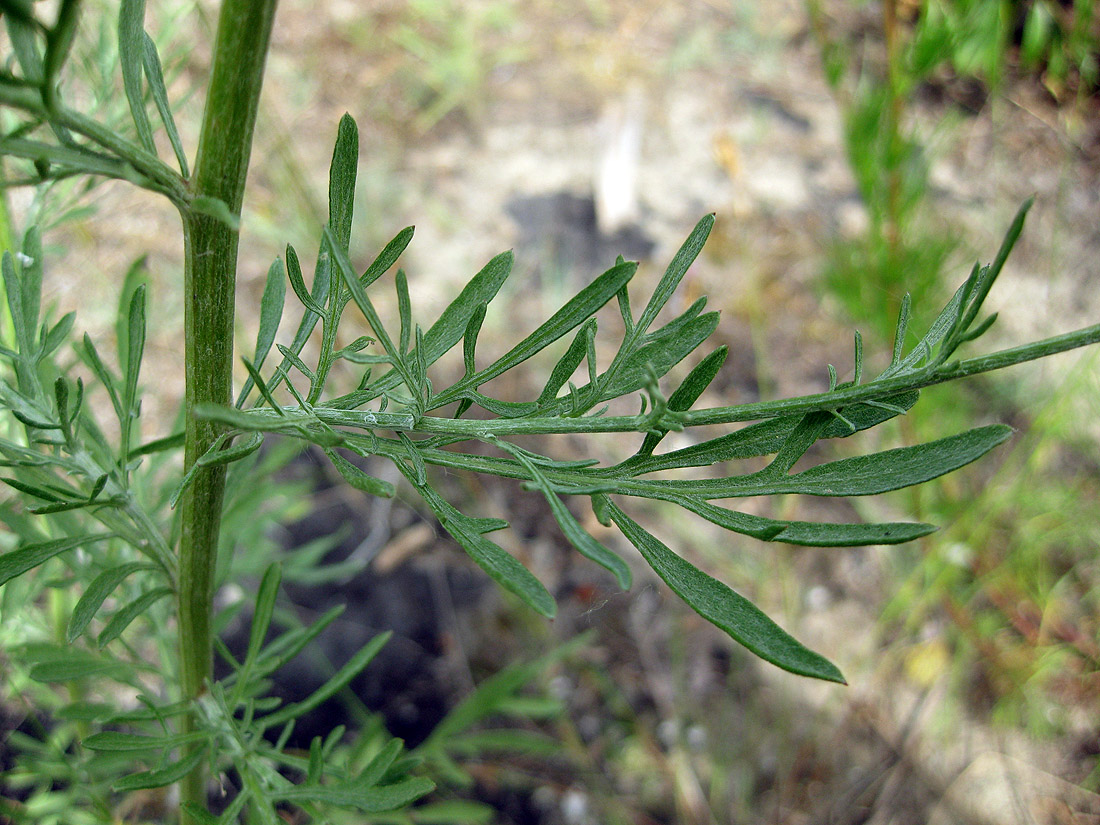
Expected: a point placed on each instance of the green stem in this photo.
(210, 266)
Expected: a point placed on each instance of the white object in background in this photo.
(620, 136)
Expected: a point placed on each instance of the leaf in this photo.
(21, 32)
(763, 438)
(809, 534)
(17, 562)
(376, 769)
(448, 328)
(724, 608)
(218, 209)
(575, 312)
(344, 675)
(261, 616)
(74, 665)
(59, 41)
(271, 313)
(585, 544)
(568, 363)
(689, 391)
(125, 615)
(31, 286)
(298, 284)
(58, 334)
(870, 474)
(131, 49)
(13, 292)
(677, 268)
(135, 347)
(161, 777)
(501, 566)
(369, 800)
(96, 593)
(661, 354)
(109, 382)
(117, 741)
(341, 186)
(155, 75)
(359, 479)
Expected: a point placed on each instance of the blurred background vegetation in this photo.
(854, 151)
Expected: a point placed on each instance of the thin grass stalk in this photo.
(210, 267)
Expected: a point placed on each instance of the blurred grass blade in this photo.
(96, 593)
(155, 75)
(265, 609)
(131, 49)
(127, 613)
(724, 608)
(73, 665)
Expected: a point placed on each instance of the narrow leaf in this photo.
(344, 675)
(585, 544)
(370, 800)
(689, 391)
(126, 614)
(131, 49)
(155, 75)
(358, 479)
(161, 777)
(97, 592)
(678, 267)
(568, 363)
(271, 313)
(117, 741)
(265, 608)
(724, 608)
(19, 561)
(341, 186)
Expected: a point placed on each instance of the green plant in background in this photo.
(96, 514)
(904, 248)
(450, 54)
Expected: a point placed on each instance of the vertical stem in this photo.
(210, 267)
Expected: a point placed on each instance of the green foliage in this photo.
(101, 544)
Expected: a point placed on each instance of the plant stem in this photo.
(210, 267)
